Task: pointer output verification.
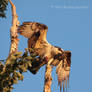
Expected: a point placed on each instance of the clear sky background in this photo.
(69, 27)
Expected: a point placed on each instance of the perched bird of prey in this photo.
(36, 34)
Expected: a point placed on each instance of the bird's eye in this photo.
(58, 56)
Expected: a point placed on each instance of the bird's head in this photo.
(64, 55)
(67, 56)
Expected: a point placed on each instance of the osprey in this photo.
(36, 34)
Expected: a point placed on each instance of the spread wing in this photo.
(35, 32)
(63, 69)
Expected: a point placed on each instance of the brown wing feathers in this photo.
(63, 69)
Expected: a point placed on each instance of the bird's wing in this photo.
(63, 69)
(35, 32)
(27, 29)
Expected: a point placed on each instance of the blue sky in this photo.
(69, 27)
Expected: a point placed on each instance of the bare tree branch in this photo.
(48, 77)
(13, 30)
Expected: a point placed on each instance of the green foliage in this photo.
(3, 6)
(12, 70)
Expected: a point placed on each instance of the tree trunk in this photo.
(48, 77)
(13, 30)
